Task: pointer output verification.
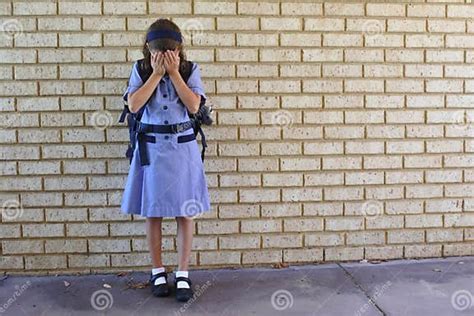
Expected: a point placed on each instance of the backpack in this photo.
(202, 116)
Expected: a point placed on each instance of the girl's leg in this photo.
(185, 241)
(153, 232)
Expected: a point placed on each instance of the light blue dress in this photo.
(174, 183)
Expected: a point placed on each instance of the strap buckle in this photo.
(177, 128)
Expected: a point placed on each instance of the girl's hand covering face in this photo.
(157, 63)
(171, 60)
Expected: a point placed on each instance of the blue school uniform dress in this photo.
(174, 181)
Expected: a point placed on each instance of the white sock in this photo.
(159, 280)
(182, 284)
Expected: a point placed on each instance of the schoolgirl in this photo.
(172, 182)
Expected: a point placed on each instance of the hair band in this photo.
(163, 34)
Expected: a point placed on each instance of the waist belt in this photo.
(143, 128)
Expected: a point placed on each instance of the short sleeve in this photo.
(135, 81)
(194, 82)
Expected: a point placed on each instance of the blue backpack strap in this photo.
(125, 110)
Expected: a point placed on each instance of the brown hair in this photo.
(163, 44)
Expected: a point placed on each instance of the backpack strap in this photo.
(134, 118)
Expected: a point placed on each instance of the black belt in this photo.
(143, 128)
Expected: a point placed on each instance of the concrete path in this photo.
(428, 287)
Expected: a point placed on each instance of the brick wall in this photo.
(344, 131)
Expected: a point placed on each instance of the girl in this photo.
(166, 177)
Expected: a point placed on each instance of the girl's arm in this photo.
(138, 98)
(190, 99)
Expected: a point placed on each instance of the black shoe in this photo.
(183, 294)
(160, 289)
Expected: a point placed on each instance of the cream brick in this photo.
(321, 54)
(303, 224)
(281, 23)
(461, 41)
(299, 8)
(220, 257)
(344, 40)
(405, 25)
(324, 239)
(384, 40)
(80, 8)
(406, 236)
(59, 24)
(388, 252)
(426, 10)
(87, 261)
(302, 255)
(420, 251)
(344, 224)
(262, 256)
(344, 9)
(282, 241)
(385, 9)
(460, 11)
(365, 238)
(45, 262)
(344, 253)
(404, 55)
(324, 24)
(239, 242)
(34, 8)
(361, 55)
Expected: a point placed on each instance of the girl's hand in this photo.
(157, 64)
(171, 59)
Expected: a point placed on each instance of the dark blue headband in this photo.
(163, 34)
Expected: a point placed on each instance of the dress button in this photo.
(165, 95)
(165, 107)
(166, 137)
(166, 122)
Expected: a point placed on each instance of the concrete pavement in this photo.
(401, 287)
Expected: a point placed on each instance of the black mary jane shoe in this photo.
(160, 289)
(183, 294)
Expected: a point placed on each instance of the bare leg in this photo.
(185, 240)
(153, 229)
